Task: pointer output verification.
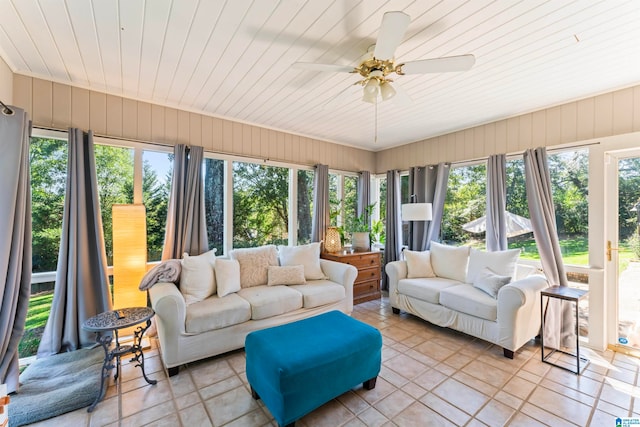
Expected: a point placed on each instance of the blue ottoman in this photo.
(297, 367)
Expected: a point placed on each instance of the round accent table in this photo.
(113, 321)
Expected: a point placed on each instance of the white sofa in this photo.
(464, 289)
(191, 328)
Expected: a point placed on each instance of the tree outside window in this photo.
(214, 171)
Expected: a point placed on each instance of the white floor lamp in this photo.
(416, 212)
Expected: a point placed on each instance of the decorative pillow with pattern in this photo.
(254, 264)
(289, 275)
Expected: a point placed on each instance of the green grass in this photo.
(37, 315)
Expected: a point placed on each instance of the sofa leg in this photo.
(507, 353)
(173, 371)
(395, 310)
(369, 384)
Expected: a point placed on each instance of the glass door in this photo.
(623, 250)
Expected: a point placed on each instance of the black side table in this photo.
(112, 321)
(567, 294)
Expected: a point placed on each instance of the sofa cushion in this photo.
(490, 282)
(425, 289)
(320, 292)
(269, 301)
(418, 264)
(197, 280)
(227, 276)
(305, 255)
(286, 275)
(254, 264)
(502, 263)
(450, 262)
(216, 313)
(464, 298)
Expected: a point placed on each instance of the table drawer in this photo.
(368, 274)
(364, 261)
(370, 287)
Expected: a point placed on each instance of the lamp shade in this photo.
(332, 240)
(416, 212)
(129, 255)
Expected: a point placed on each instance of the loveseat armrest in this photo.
(519, 311)
(170, 307)
(396, 271)
(342, 274)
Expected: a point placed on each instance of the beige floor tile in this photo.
(372, 418)
(416, 416)
(444, 408)
(436, 352)
(414, 390)
(230, 405)
(406, 366)
(495, 413)
(146, 397)
(391, 405)
(522, 420)
(252, 419)
(392, 376)
(461, 395)
(519, 387)
(473, 382)
(220, 387)
(187, 400)
(458, 360)
(195, 415)
(209, 372)
(331, 414)
(149, 415)
(430, 379)
(617, 393)
(353, 402)
(601, 419)
(107, 411)
(560, 405)
(543, 416)
(383, 388)
(495, 377)
(508, 399)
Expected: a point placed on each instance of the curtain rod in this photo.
(6, 110)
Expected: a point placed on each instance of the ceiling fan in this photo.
(379, 63)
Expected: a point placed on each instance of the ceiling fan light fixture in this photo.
(387, 91)
(372, 86)
(369, 97)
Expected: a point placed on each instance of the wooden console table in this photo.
(367, 284)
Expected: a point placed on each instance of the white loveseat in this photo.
(255, 289)
(470, 291)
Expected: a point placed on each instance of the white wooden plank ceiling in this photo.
(232, 59)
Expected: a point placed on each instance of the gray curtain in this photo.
(559, 321)
(364, 191)
(496, 203)
(321, 219)
(15, 240)
(186, 229)
(393, 242)
(82, 285)
(429, 185)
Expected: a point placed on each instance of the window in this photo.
(48, 159)
(517, 204)
(214, 171)
(114, 170)
(343, 201)
(466, 200)
(569, 173)
(157, 168)
(260, 205)
(305, 205)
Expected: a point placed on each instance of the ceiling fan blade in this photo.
(314, 66)
(394, 25)
(402, 98)
(438, 65)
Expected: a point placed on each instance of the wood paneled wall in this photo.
(6, 83)
(610, 114)
(59, 106)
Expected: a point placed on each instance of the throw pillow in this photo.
(502, 263)
(227, 276)
(254, 263)
(289, 275)
(449, 262)
(197, 280)
(306, 255)
(418, 264)
(489, 282)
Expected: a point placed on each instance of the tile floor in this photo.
(430, 377)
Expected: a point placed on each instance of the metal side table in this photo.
(574, 295)
(112, 321)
